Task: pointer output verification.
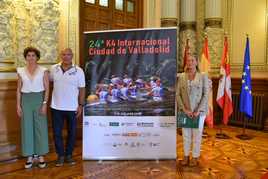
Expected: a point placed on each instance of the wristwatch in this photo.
(44, 102)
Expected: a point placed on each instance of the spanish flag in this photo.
(204, 68)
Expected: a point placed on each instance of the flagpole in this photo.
(224, 67)
(244, 136)
(205, 134)
(222, 135)
(246, 93)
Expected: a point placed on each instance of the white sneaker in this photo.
(41, 163)
(29, 163)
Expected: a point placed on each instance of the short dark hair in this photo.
(31, 49)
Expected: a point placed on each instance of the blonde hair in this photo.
(193, 55)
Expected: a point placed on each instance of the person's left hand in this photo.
(43, 109)
(79, 111)
(195, 114)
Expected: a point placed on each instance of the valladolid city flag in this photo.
(246, 89)
(224, 95)
(205, 67)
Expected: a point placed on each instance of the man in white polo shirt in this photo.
(67, 102)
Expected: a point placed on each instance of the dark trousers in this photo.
(58, 118)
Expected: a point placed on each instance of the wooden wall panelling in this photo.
(9, 123)
(259, 87)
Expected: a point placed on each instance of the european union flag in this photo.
(246, 90)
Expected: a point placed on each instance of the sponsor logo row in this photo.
(132, 144)
(132, 134)
(131, 124)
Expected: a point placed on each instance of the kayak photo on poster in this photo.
(131, 73)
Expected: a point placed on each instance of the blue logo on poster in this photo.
(114, 124)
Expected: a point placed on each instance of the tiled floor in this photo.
(220, 158)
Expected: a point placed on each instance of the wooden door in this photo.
(109, 14)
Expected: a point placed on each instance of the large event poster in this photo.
(130, 83)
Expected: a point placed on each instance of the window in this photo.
(108, 14)
(119, 4)
(130, 6)
(104, 3)
(90, 1)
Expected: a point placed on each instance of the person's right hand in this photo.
(43, 109)
(19, 111)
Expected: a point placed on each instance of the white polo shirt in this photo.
(66, 87)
